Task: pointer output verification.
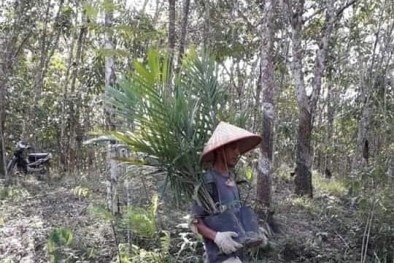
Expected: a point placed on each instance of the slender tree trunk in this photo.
(182, 41)
(3, 162)
(330, 128)
(206, 27)
(367, 82)
(257, 99)
(64, 158)
(75, 102)
(44, 42)
(3, 80)
(171, 34)
(264, 181)
(110, 124)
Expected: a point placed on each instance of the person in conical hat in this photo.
(222, 152)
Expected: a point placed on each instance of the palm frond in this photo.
(171, 124)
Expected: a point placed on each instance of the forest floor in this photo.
(317, 230)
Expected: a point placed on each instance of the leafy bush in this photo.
(374, 217)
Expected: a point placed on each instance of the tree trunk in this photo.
(3, 162)
(330, 129)
(303, 177)
(182, 42)
(76, 100)
(307, 105)
(171, 35)
(264, 181)
(3, 77)
(64, 145)
(207, 26)
(110, 79)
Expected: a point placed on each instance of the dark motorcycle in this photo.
(26, 163)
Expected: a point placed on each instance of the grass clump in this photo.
(12, 193)
(331, 186)
(300, 204)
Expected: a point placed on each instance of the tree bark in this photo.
(307, 105)
(64, 146)
(171, 35)
(76, 99)
(3, 163)
(110, 124)
(182, 41)
(3, 80)
(264, 181)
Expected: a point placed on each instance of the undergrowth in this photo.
(347, 221)
(354, 216)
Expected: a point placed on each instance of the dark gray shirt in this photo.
(228, 195)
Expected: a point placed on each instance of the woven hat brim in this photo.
(245, 145)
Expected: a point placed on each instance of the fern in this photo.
(81, 192)
(165, 241)
(141, 221)
(102, 212)
(59, 238)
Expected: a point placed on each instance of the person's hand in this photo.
(226, 243)
(264, 235)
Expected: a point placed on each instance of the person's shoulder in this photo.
(209, 176)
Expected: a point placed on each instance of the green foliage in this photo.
(12, 193)
(58, 240)
(137, 254)
(141, 255)
(81, 192)
(102, 212)
(142, 222)
(331, 186)
(249, 174)
(303, 203)
(373, 197)
(172, 121)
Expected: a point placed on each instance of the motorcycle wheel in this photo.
(15, 171)
(15, 174)
(44, 174)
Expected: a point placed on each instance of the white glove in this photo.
(233, 260)
(226, 243)
(264, 235)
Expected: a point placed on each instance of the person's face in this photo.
(231, 154)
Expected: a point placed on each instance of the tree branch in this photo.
(340, 11)
(314, 14)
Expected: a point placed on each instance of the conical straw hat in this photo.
(226, 133)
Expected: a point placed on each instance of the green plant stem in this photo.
(116, 240)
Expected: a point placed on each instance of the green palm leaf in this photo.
(173, 123)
